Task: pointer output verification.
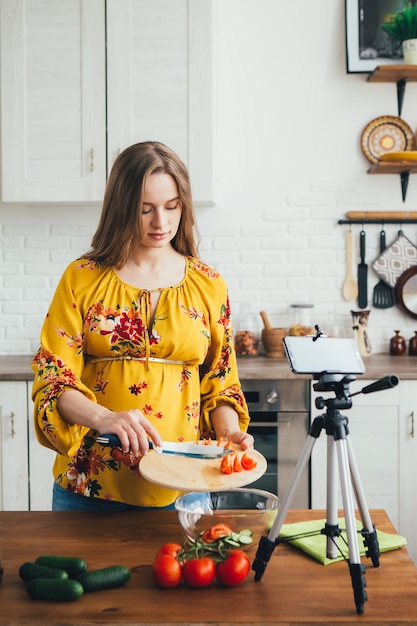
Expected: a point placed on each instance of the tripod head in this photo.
(340, 386)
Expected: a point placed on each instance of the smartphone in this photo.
(331, 355)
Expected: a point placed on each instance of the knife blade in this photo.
(362, 274)
(192, 450)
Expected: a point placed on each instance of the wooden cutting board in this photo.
(187, 474)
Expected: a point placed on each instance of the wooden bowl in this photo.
(272, 341)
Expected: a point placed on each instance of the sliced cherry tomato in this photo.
(169, 548)
(248, 462)
(226, 465)
(216, 532)
(237, 466)
(220, 530)
(199, 572)
(167, 571)
(234, 569)
(206, 537)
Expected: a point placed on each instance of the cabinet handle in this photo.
(92, 154)
(412, 425)
(12, 430)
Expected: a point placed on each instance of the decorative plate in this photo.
(386, 134)
(402, 155)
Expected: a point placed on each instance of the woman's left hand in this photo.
(245, 440)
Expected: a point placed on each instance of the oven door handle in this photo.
(280, 422)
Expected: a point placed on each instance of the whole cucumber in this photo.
(54, 589)
(29, 571)
(73, 565)
(105, 578)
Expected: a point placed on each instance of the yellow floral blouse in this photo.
(96, 339)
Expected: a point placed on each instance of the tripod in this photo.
(336, 428)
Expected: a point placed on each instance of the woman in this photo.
(137, 342)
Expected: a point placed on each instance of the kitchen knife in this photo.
(193, 450)
(362, 274)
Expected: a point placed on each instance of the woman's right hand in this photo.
(133, 429)
(131, 426)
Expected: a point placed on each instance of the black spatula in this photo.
(384, 297)
(362, 274)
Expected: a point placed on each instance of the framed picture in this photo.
(367, 44)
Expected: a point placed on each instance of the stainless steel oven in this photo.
(280, 417)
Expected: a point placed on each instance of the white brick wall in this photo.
(288, 165)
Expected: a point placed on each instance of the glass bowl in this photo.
(241, 508)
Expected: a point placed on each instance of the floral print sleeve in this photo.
(58, 365)
(220, 382)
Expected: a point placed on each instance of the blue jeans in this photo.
(63, 500)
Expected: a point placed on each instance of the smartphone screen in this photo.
(326, 354)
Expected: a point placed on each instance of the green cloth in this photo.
(307, 536)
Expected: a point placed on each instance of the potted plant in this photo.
(402, 28)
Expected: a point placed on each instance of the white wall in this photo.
(288, 165)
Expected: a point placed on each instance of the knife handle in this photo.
(362, 245)
(113, 441)
(382, 241)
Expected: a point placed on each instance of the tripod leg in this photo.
(268, 542)
(370, 538)
(331, 529)
(356, 568)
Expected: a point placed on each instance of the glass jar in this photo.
(301, 323)
(246, 335)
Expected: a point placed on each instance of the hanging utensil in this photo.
(384, 297)
(362, 274)
(350, 285)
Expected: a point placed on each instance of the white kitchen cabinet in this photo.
(53, 106)
(83, 79)
(159, 81)
(25, 466)
(14, 487)
(41, 461)
(408, 465)
(385, 449)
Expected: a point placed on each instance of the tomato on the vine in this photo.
(169, 548)
(234, 569)
(199, 572)
(167, 571)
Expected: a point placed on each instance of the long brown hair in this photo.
(119, 229)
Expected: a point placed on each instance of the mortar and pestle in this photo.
(272, 338)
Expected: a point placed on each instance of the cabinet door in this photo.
(14, 494)
(374, 426)
(41, 461)
(53, 117)
(159, 81)
(408, 465)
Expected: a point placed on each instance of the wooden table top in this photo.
(295, 589)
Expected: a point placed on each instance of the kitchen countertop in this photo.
(17, 367)
(295, 589)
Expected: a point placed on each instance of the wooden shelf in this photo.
(403, 168)
(393, 167)
(393, 73)
(380, 217)
(399, 74)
